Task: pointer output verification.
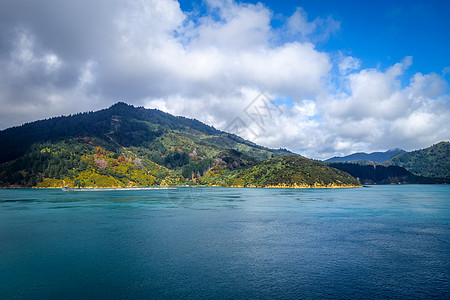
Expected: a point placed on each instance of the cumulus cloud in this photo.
(61, 58)
(379, 111)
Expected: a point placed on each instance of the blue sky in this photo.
(380, 33)
(383, 32)
(346, 76)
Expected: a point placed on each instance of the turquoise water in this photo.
(375, 242)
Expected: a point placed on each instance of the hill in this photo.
(378, 174)
(284, 171)
(124, 126)
(433, 161)
(373, 157)
(126, 146)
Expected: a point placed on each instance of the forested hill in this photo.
(124, 124)
(284, 171)
(378, 174)
(127, 146)
(433, 161)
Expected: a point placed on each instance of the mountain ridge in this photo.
(41, 130)
(373, 156)
(433, 161)
(124, 146)
(429, 165)
(379, 174)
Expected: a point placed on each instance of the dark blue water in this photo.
(377, 242)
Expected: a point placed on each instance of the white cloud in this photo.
(211, 66)
(373, 93)
(348, 64)
(23, 50)
(52, 62)
(25, 56)
(87, 77)
(298, 23)
(380, 112)
(427, 86)
(298, 27)
(234, 27)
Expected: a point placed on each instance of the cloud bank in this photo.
(61, 58)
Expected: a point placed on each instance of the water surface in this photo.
(375, 242)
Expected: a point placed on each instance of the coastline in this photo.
(299, 187)
(92, 189)
(112, 188)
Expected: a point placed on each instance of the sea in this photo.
(374, 242)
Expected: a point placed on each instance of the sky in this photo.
(319, 78)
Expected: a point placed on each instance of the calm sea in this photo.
(375, 242)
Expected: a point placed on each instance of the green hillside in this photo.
(125, 126)
(378, 174)
(433, 161)
(125, 146)
(83, 162)
(285, 171)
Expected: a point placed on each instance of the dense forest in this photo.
(125, 146)
(433, 161)
(284, 171)
(378, 174)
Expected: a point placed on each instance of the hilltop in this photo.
(125, 146)
(284, 171)
(433, 161)
(430, 165)
(378, 174)
(371, 157)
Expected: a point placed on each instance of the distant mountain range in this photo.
(127, 146)
(378, 174)
(429, 165)
(374, 156)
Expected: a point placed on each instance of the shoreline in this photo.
(93, 189)
(89, 189)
